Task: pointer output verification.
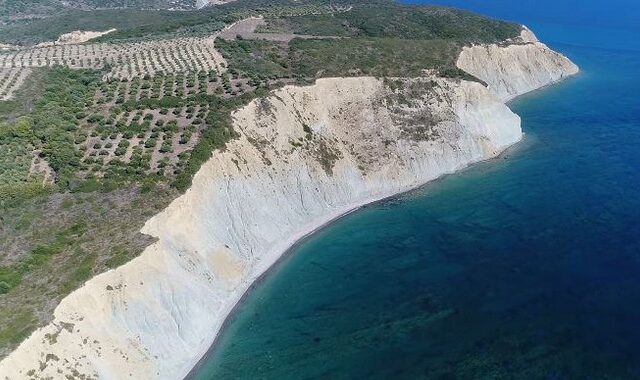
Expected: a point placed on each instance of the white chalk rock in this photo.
(517, 68)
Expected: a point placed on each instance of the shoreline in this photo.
(170, 325)
(282, 251)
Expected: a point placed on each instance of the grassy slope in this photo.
(46, 8)
(385, 39)
(52, 240)
(51, 244)
(29, 22)
(137, 23)
(48, 29)
(414, 22)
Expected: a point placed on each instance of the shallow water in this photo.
(525, 267)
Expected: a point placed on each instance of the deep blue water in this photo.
(525, 267)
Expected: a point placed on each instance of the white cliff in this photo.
(305, 156)
(205, 3)
(523, 65)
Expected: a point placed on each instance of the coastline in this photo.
(280, 252)
(171, 304)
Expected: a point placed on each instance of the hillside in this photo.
(158, 23)
(96, 138)
(16, 10)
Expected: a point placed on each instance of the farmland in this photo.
(10, 80)
(123, 60)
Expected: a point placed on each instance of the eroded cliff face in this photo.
(517, 67)
(305, 155)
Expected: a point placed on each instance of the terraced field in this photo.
(153, 139)
(10, 80)
(124, 60)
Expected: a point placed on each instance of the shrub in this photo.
(150, 143)
(4, 287)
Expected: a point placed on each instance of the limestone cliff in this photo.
(305, 155)
(515, 68)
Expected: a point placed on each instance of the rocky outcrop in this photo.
(80, 36)
(518, 67)
(74, 38)
(204, 3)
(305, 155)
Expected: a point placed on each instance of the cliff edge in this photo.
(517, 67)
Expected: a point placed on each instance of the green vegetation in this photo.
(12, 275)
(59, 228)
(380, 39)
(219, 132)
(48, 29)
(15, 152)
(48, 7)
(374, 56)
(307, 59)
(66, 92)
(406, 22)
(33, 16)
(48, 129)
(143, 22)
(255, 58)
(51, 244)
(23, 101)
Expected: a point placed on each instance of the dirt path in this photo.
(246, 29)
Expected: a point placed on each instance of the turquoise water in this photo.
(525, 267)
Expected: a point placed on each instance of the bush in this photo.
(150, 143)
(4, 287)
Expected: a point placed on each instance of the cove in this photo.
(526, 267)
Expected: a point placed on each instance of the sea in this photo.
(522, 267)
